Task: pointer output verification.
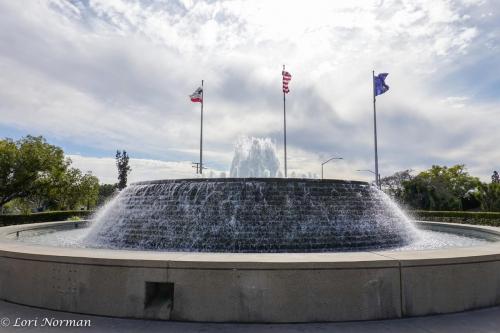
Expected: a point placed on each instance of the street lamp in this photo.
(322, 164)
(377, 181)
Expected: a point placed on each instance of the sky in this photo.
(94, 76)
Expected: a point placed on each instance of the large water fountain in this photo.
(251, 214)
(263, 249)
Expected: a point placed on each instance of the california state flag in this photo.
(197, 96)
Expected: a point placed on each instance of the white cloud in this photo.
(116, 74)
(456, 102)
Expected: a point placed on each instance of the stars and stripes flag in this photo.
(197, 96)
(287, 77)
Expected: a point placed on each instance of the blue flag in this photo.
(379, 83)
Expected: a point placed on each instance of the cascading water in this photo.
(244, 214)
(251, 215)
(254, 157)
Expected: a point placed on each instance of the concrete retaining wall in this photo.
(251, 287)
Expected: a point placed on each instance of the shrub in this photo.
(480, 218)
(43, 217)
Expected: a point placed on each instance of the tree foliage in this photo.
(439, 188)
(394, 185)
(36, 174)
(124, 169)
(26, 166)
(489, 196)
(106, 191)
(495, 178)
(71, 189)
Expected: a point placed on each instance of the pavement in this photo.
(29, 319)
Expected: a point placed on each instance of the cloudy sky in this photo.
(93, 76)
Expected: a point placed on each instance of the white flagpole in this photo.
(377, 180)
(284, 122)
(201, 129)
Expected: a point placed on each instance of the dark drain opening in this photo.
(159, 295)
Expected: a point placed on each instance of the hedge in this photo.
(42, 217)
(480, 218)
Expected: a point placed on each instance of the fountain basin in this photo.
(251, 287)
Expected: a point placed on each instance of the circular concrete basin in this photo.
(246, 287)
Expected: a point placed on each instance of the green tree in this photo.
(124, 169)
(60, 192)
(440, 188)
(35, 175)
(17, 206)
(394, 185)
(26, 165)
(89, 190)
(105, 192)
(495, 178)
(71, 189)
(489, 195)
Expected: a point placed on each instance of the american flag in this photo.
(286, 78)
(197, 96)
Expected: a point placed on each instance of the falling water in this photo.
(251, 215)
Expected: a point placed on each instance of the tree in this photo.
(105, 192)
(35, 175)
(17, 206)
(62, 191)
(441, 188)
(495, 178)
(89, 190)
(26, 165)
(489, 195)
(70, 189)
(124, 169)
(394, 185)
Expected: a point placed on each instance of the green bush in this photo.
(43, 217)
(480, 218)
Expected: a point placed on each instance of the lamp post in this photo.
(377, 182)
(322, 164)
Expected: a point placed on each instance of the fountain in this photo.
(251, 214)
(254, 157)
(251, 248)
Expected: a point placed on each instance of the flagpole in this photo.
(377, 181)
(201, 129)
(284, 124)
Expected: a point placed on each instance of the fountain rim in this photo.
(322, 260)
(206, 286)
(250, 180)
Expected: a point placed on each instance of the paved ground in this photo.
(480, 321)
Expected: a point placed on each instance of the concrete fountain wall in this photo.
(244, 287)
